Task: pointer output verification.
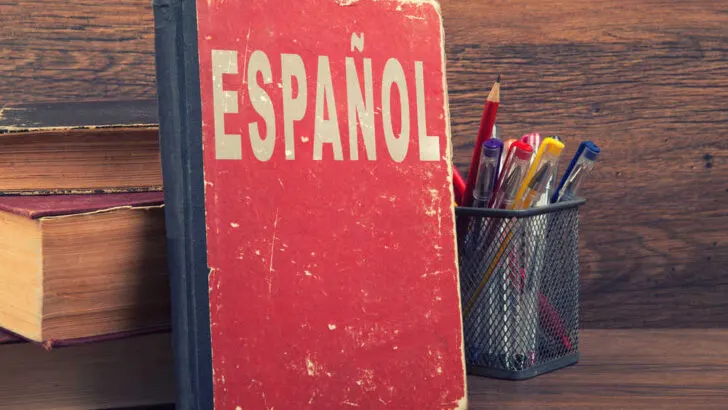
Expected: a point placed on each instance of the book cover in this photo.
(89, 115)
(39, 206)
(307, 167)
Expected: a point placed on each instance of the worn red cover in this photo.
(333, 279)
(37, 206)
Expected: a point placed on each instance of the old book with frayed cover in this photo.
(307, 170)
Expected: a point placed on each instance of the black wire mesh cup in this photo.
(519, 285)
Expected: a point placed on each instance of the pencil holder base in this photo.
(525, 374)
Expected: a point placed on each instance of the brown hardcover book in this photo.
(132, 371)
(80, 147)
(82, 266)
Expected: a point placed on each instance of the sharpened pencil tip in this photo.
(497, 80)
(494, 95)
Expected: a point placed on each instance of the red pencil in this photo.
(486, 128)
(458, 184)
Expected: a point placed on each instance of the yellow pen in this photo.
(534, 185)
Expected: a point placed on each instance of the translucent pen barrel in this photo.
(553, 182)
(511, 180)
(506, 148)
(537, 186)
(487, 173)
(581, 170)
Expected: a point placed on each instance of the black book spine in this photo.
(181, 150)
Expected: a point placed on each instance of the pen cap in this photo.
(492, 148)
(552, 147)
(557, 138)
(522, 150)
(591, 151)
(533, 139)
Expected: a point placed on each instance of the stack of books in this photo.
(84, 290)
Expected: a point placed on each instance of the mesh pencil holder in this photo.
(519, 283)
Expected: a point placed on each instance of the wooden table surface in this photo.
(619, 369)
(623, 369)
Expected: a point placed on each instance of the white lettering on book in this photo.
(363, 123)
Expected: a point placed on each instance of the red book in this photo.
(325, 239)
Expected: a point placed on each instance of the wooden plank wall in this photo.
(646, 79)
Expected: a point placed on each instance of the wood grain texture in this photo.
(646, 79)
(623, 369)
(53, 50)
(131, 371)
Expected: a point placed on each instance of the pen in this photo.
(458, 184)
(514, 170)
(532, 188)
(513, 173)
(527, 263)
(497, 301)
(540, 171)
(533, 139)
(552, 182)
(538, 259)
(487, 173)
(506, 147)
(581, 165)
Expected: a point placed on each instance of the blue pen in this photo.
(487, 173)
(579, 168)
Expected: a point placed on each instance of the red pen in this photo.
(506, 148)
(514, 169)
(458, 185)
(533, 139)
